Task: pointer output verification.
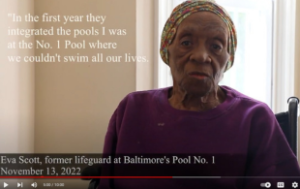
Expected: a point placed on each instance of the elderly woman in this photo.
(197, 116)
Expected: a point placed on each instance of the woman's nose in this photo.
(200, 54)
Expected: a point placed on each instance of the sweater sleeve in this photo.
(270, 158)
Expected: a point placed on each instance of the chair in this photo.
(288, 122)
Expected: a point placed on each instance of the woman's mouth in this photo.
(198, 75)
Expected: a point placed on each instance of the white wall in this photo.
(297, 63)
(145, 36)
(297, 51)
(16, 86)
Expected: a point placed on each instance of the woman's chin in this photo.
(197, 88)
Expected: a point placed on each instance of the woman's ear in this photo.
(229, 59)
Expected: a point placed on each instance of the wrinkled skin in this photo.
(197, 58)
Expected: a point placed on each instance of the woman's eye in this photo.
(186, 43)
(216, 47)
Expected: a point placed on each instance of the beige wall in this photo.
(74, 101)
(16, 85)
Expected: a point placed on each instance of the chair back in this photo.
(289, 123)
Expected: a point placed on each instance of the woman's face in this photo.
(198, 53)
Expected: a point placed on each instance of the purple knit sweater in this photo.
(240, 139)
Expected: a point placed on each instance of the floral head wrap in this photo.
(187, 8)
